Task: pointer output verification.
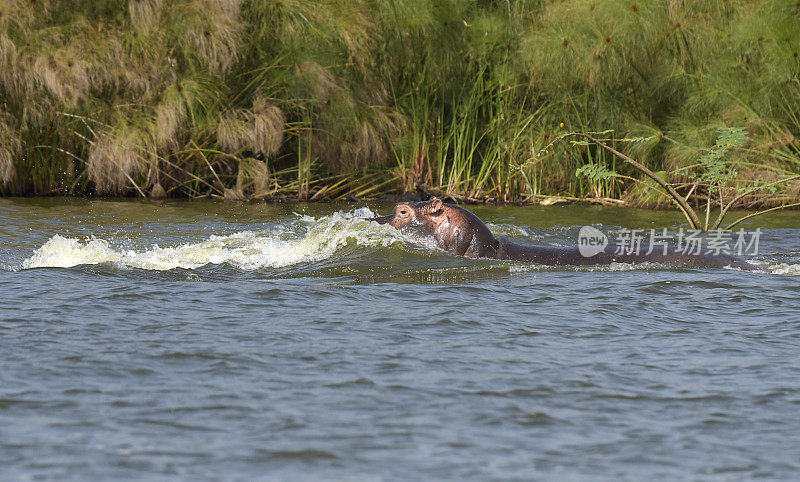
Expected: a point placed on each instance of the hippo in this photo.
(458, 231)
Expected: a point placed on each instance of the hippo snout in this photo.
(382, 219)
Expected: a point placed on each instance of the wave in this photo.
(297, 241)
(280, 246)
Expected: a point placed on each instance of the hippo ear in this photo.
(435, 206)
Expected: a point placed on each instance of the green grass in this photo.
(321, 99)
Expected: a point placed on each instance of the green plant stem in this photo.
(743, 218)
(687, 210)
(724, 210)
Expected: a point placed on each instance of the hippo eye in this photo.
(403, 211)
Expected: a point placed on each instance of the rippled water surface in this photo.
(203, 340)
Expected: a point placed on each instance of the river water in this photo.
(209, 340)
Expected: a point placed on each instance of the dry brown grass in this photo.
(258, 130)
(145, 14)
(116, 157)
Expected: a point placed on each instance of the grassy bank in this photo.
(327, 99)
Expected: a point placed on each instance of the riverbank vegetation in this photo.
(326, 99)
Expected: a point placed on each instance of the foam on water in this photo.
(247, 250)
(786, 268)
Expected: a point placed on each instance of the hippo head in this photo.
(445, 226)
(416, 220)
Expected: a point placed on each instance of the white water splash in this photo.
(786, 268)
(246, 250)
